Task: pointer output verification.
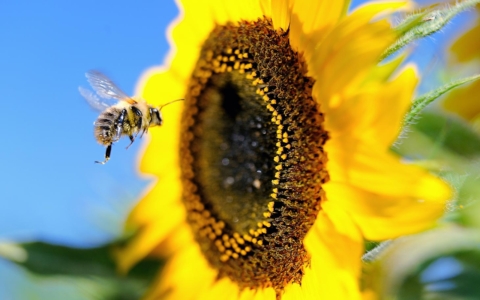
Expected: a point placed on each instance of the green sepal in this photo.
(421, 102)
(425, 23)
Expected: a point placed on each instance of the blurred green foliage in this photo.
(93, 268)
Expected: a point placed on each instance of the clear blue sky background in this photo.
(50, 189)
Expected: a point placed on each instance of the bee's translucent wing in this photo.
(105, 88)
(92, 99)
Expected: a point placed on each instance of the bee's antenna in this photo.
(161, 106)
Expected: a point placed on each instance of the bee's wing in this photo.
(105, 88)
(92, 99)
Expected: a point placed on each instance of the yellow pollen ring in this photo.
(270, 206)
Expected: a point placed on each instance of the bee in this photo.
(129, 116)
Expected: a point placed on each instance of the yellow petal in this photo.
(264, 294)
(316, 15)
(467, 47)
(353, 47)
(384, 71)
(165, 194)
(281, 10)
(157, 86)
(392, 102)
(380, 217)
(222, 289)
(232, 11)
(187, 37)
(376, 114)
(378, 9)
(148, 238)
(465, 101)
(186, 276)
(335, 266)
(174, 242)
(375, 170)
(345, 57)
(311, 21)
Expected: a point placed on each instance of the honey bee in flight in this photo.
(129, 116)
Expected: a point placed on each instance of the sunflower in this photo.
(465, 101)
(246, 204)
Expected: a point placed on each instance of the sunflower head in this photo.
(246, 202)
(252, 154)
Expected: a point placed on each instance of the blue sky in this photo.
(49, 185)
(50, 189)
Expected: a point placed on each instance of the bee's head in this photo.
(156, 116)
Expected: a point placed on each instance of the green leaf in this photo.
(48, 259)
(441, 143)
(92, 267)
(425, 23)
(450, 133)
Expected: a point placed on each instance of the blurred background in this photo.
(50, 188)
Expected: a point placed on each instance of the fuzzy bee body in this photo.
(128, 117)
(133, 120)
(105, 126)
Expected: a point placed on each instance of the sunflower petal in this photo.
(316, 15)
(186, 37)
(467, 46)
(183, 281)
(464, 101)
(384, 72)
(337, 244)
(350, 51)
(381, 217)
(375, 115)
(374, 170)
(174, 242)
(377, 9)
(232, 11)
(222, 289)
(281, 14)
(157, 86)
(310, 22)
(164, 195)
(148, 238)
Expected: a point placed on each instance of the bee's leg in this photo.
(119, 125)
(138, 124)
(144, 130)
(139, 114)
(107, 155)
(132, 139)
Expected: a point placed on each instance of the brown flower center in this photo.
(252, 155)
